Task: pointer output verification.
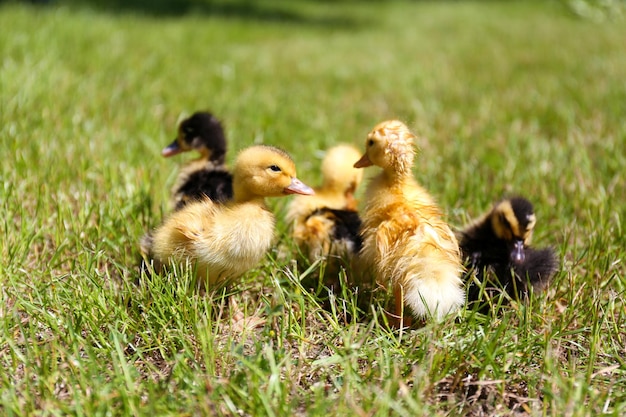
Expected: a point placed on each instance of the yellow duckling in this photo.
(327, 224)
(406, 242)
(206, 176)
(223, 241)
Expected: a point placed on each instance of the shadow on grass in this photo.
(253, 10)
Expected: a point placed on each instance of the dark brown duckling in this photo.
(496, 248)
(206, 176)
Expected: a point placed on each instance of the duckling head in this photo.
(337, 171)
(202, 132)
(391, 146)
(265, 171)
(513, 221)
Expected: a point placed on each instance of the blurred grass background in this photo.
(507, 98)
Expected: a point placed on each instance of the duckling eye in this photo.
(370, 142)
(275, 168)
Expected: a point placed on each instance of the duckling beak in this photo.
(171, 149)
(517, 254)
(298, 187)
(363, 162)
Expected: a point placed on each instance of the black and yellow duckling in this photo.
(407, 245)
(496, 249)
(327, 224)
(223, 241)
(206, 175)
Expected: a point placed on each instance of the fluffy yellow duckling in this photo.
(406, 242)
(327, 224)
(207, 175)
(224, 241)
(496, 248)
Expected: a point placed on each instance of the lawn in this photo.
(507, 98)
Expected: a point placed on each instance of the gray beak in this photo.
(517, 254)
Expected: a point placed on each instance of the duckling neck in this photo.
(241, 195)
(331, 185)
(206, 156)
(396, 177)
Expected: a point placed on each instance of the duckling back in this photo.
(329, 233)
(195, 184)
(327, 224)
(412, 250)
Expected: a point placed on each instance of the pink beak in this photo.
(298, 187)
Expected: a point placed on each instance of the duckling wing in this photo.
(329, 231)
(395, 228)
(302, 207)
(538, 267)
(190, 224)
(313, 235)
(347, 227)
(173, 238)
(215, 184)
(222, 242)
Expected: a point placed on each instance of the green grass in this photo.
(507, 97)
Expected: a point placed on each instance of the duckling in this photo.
(496, 248)
(223, 241)
(406, 242)
(327, 224)
(207, 175)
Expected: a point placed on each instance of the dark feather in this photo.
(346, 225)
(203, 129)
(217, 185)
(488, 258)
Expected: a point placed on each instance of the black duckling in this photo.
(206, 175)
(496, 248)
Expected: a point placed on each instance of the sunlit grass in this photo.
(507, 97)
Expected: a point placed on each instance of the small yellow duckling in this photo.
(406, 242)
(223, 241)
(327, 224)
(207, 175)
(496, 248)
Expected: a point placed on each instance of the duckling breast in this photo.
(222, 242)
(238, 241)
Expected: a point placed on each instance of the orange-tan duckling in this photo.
(223, 241)
(327, 224)
(206, 176)
(406, 243)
